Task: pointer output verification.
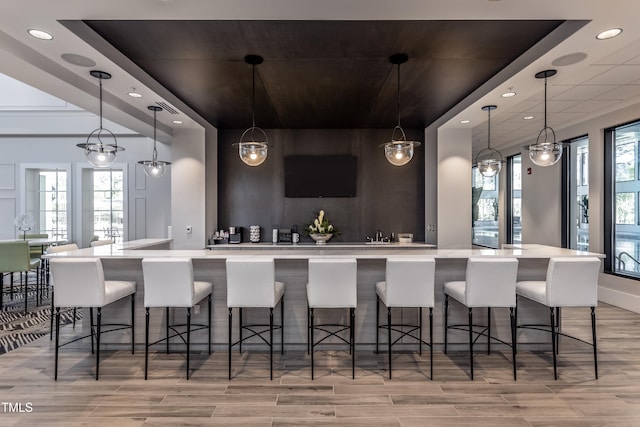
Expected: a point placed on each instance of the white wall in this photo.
(454, 188)
(148, 200)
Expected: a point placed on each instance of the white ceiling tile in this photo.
(619, 75)
(582, 93)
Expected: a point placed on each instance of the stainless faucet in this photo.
(379, 237)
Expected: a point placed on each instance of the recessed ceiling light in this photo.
(464, 122)
(528, 117)
(40, 35)
(609, 34)
(134, 94)
(177, 122)
(508, 94)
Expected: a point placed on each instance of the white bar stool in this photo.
(409, 283)
(79, 282)
(169, 283)
(489, 282)
(251, 283)
(55, 250)
(332, 284)
(570, 282)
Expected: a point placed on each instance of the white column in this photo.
(188, 186)
(454, 188)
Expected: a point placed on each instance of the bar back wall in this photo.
(388, 198)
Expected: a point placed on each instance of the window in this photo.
(103, 204)
(514, 199)
(575, 212)
(484, 210)
(622, 189)
(46, 191)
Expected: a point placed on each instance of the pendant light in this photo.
(546, 151)
(399, 152)
(489, 160)
(253, 152)
(154, 168)
(97, 151)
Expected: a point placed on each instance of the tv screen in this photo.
(320, 176)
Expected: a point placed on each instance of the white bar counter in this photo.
(123, 262)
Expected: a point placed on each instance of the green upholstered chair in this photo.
(15, 258)
(36, 251)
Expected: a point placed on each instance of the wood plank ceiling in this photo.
(322, 74)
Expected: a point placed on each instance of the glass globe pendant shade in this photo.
(253, 153)
(545, 154)
(98, 156)
(489, 167)
(399, 153)
(154, 169)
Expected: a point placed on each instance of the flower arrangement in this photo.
(321, 225)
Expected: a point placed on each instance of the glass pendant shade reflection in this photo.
(254, 144)
(101, 146)
(154, 168)
(489, 160)
(399, 152)
(546, 151)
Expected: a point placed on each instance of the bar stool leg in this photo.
(55, 375)
(133, 323)
(353, 344)
(282, 326)
(98, 332)
(188, 339)
(553, 342)
(446, 321)
(377, 322)
(209, 314)
(431, 341)
(50, 320)
(389, 337)
(271, 343)
(513, 339)
(593, 334)
(420, 331)
(92, 330)
(308, 329)
(146, 343)
(167, 328)
(471, 340)
(312, 333)
(488, 330)
(230, 333)
(240, 330)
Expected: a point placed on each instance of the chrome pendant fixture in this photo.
(399, 152)
(253, 150)
(154, 168)
(98, 152)
(546, 151)
(489, 160)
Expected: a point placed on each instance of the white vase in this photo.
(321, 238)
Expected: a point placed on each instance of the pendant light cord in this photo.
(489, 128)
(100, 80)
(253, 95)
(155, 152)
(398, 106)
(545, 102)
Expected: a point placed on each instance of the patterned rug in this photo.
(16, 329)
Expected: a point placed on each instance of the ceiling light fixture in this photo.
(609, 34)
(177, 122)
(252, 152)
(528, 117)
(546, 151)
(154, 168)
(489, 160)
(135, 94)
(399, 152)
(39, 34)
(509, 94)
(99, 153)
(464, 122)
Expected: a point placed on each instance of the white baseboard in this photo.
(619, 299)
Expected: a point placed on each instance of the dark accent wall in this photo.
(389, 198)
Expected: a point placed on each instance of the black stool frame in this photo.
(336, 329)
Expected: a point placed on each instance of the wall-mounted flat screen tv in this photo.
(320, 176)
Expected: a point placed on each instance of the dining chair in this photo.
(16, 258)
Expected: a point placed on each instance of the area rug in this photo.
(16, 329)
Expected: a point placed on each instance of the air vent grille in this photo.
(167, 107)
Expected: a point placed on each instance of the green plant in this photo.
(584, 204)
(476, 192)
(321, 225)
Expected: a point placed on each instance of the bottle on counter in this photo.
(274, 235)
(295, 236)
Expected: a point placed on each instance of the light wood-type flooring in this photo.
(122, 398)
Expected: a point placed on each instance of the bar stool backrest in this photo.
(104, 242)
(410, 282)
(61, 248)
(573, 282)
(168, 282)
(251, 282)
(491, 282)
(333, 283)
(14, 256)
(79, 282)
